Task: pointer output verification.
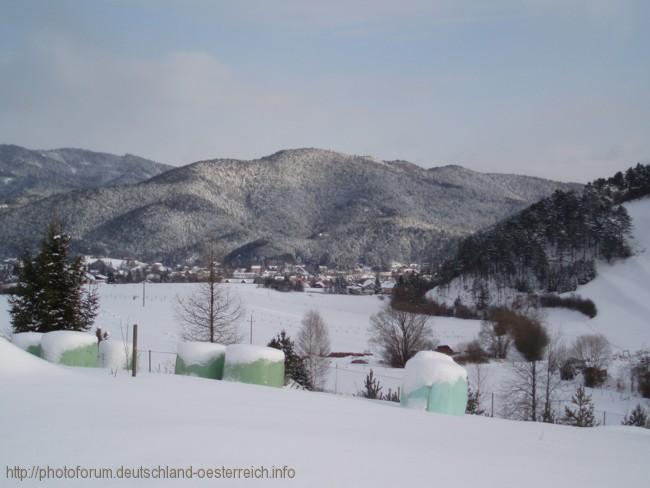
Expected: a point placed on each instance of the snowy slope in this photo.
(621, 292)
(97, 420)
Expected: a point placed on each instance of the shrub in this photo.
(637, 418)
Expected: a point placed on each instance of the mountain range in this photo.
(27, 175)
(308, 204)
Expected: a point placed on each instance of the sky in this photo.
(557, 88)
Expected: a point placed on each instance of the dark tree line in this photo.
(550, 246)
(623, 187)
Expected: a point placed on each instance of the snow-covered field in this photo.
(347, 318)
(54, 416)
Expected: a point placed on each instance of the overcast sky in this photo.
(557, 88)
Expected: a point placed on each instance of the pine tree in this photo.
(638, 418)
(371, 387)
(473, 402)
(50, 294)
(583, 413)
(294, 366)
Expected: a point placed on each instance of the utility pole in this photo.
(144, 281)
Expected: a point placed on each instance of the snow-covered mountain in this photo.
(310, 203)
(26, 175)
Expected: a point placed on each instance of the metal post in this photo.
(492, 414)
(604, 418)
(134, 357)
(143, 290)
(150, 360)
(251, 336)
(336, 379)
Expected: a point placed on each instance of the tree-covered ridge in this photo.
(550, 246)
(623, 187)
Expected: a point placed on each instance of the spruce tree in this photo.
(582, 415)
(294, 366)
(50, 294)
(24, 302)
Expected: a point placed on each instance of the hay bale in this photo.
(202, 359)
(434, 382)
(256, 365)
(29, 341)
(114, 354)
(70, 348)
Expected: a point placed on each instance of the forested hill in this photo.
(552, 245)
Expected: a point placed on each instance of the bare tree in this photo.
(314, 346)
(399, 335)
(551, 379)
(593, 349)
(211, 313)
(495, 331)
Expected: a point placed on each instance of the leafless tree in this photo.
(313, 344)
(399, 335)
(593, 349)
(551, 380)
(211, 313)
(495, 332)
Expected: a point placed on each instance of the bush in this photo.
(472, 353)
(637, 418)
(594, 377)
(573, 302)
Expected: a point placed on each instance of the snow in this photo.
(27, 339)
(429, 367)
(247, 353)
(113, 354)
(328, 440)
(16, 365)
(199, 353)
(55, 343)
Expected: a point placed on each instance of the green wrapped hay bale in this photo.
(434, 382)
(114, 354)
(29, 341)
(202, 359)
(257, 365)
(70, 348)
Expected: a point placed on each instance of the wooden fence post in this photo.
(134, 357)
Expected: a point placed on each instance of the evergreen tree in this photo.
(50, 294)
(473, 402)
(24, 302)
(294, 366)
(582, 414)
(371, 387)
(638, 418)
